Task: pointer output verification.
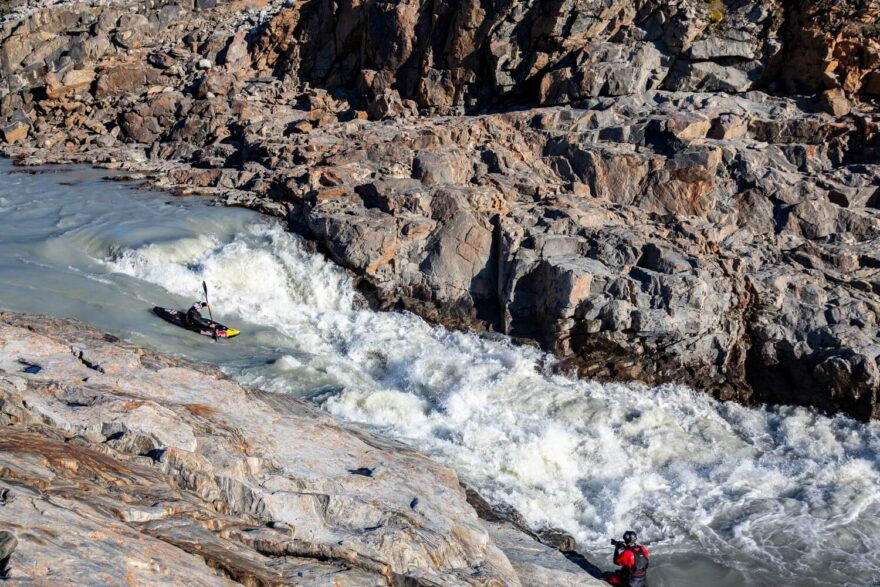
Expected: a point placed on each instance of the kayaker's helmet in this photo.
(630, 537)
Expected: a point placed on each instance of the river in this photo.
(724, 495)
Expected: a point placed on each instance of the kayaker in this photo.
(194, 315)
(633, 560)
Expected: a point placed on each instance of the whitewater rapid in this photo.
(725, 495)
(782, 493)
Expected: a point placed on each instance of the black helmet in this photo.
(630, 537)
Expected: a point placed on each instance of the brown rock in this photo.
(16, 131)
(835, 102)
(727, 241)
(73, 82)
(613, 175)
(689, 129)
(302, 126)
(871, 87)
(827, 46)
(148, 121)
(237, 58)
(728, 127)
(124, 79)
(214, 82)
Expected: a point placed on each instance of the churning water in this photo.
(725, 495)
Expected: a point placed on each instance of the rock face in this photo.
(450, 57)
(133, 467)
(662, 249)
(663, 191)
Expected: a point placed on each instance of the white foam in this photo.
(779, 493)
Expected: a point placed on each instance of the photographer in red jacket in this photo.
(633, 561)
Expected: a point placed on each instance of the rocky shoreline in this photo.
(657, 191)
(134, 467)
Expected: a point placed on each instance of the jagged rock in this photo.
(554, 54)
(134, 31)
(708, 76)
(529, 558)
(237, 57)
(214, 82)
(717, 47)
(828, 46)
(605, 70)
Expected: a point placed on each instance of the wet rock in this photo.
(538, 564)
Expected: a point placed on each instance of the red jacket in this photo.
(626, 559)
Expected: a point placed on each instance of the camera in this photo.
(615, 542)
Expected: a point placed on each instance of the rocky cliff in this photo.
(122, 466)
(663, 191)
(452, 57)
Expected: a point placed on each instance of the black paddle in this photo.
(210, 315)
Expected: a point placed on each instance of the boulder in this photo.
(134, 31)
(237, 58)
(708, 76)
(16, 131)
(835, 102)
(605, 70)
(124, 79)
(73, 82)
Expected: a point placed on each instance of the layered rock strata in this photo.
(123, 466)
(662, 191)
